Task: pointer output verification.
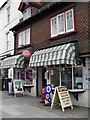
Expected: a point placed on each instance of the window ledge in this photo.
(25, 46)
(62, 35)
(76, 90)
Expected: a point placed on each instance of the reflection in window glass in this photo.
(78, 78)
(66, 78)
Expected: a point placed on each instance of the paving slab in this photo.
(30, 107)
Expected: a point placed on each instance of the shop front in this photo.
(16, 67)
(60, 69)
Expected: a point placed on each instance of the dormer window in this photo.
(26, 13)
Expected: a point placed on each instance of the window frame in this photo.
(26, 13)
(51, 27)
(72, 20)
(8, 14)
(24, 38)
(65, 24)
(7, 40)
(58, 23)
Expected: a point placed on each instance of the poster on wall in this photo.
(51, 72)
(17, 84)
(10, 73)
(88, 79)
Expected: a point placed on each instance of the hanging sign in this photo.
(61, 95)
(18, 88)
(26, 53)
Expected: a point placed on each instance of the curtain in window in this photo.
(23, 37)
(61, 23)
(69, 20)
(20, 40)
(28, 36)
(54, 26)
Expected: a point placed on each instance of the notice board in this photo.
(61, 96)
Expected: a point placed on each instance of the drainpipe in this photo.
(76, 51)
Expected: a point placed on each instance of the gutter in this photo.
(38, 12)
(3, 5)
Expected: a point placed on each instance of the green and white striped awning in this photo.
(16, 61)
(63, 54)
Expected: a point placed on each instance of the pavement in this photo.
(30, 107)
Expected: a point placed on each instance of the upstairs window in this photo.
(62, 23)
(54, 26)
(27, 13)
(7, 41)
(24, 38)
(69, 21)
(8, 14)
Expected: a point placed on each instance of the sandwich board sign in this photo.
(61, 96)
(17, 84)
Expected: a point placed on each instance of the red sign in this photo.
(26, 53)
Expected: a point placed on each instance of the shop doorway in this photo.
(41, 80)
(43, 77)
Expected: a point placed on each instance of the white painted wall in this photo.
(15, 16)
(83, 99)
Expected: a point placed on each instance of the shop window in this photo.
(66, 77)
(29, 76)
(78, 78)
(87, 78)
(54, 73)
(26, 76)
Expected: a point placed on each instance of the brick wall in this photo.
(40, 28)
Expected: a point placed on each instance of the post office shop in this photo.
(60, 66)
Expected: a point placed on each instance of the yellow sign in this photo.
(61, 96)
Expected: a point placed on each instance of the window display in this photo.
(66, 77)
(29, 76)
(26, 76)
(78, 78)
(88, 79)
(54, 77)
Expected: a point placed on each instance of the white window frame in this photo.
(65, 23)
(23, 38)
(58, 24)
(26, 13)
(52, 28)
(8, 14)
(19, 42)
(72, 20)
(28, 36)
(7, 40)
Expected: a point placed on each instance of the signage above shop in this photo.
(26, 53)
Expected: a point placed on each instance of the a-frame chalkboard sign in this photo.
(61, 96)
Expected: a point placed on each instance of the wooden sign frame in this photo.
(61, 96)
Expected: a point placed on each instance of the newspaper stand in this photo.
(43, 92)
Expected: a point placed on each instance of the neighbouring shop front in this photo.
(58, 66)
(17, 67)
